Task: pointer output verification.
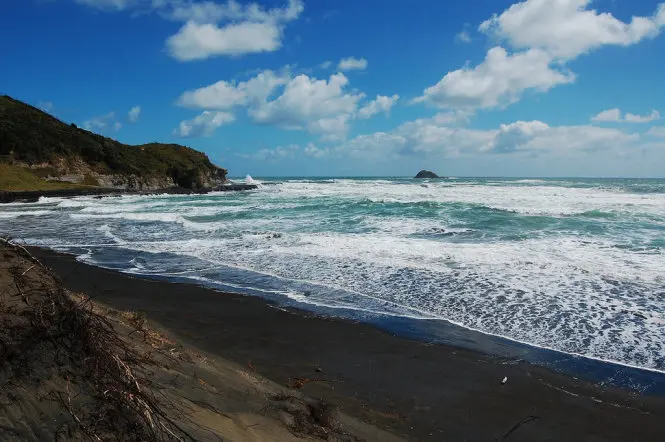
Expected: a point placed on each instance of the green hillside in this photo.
(45, 146)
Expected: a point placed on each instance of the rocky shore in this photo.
(34, 195)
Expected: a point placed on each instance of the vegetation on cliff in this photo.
(42, 145)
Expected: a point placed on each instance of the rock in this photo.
(426, 174)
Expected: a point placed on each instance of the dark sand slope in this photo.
(424, 392)
(71, 369)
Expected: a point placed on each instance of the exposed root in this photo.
(59, 338)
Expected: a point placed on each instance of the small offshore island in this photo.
(42, 156)
(426, 174)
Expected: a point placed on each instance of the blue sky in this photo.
(346, 87)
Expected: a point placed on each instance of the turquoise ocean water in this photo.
(571, 265)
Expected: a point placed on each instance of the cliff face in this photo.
(56, 152)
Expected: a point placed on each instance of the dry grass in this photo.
(101, 380)
(16, 178)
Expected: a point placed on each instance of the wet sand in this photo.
(418, 390)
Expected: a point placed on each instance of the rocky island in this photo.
(426, 174)
(41, 155)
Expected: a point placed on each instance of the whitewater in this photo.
(572, 265)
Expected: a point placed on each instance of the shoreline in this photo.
(441, 331)
(424, 390)
(31, 196)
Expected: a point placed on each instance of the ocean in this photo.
(573, 267)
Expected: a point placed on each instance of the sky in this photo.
(349, 88)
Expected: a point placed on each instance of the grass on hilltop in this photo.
(15, 178)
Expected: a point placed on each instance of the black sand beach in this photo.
(418, 390)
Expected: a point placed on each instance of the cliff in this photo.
(40, 152)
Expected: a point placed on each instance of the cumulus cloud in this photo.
(615, 116)
(633, 118)
(274, 154)
(225, 95)
(134, 114)
(215, 29)
(657, 131)
(110, 5)
(568, 28)
(422, 137)
(210, 12)
(500, 79)
(203, 125)
(382, 103)
(463, 37)
(244, 29)
(197, 41)
(536, 137)
(542, 36)
(608, 115)
(435, 137)
(323, 107)
(352, 64)
(102, 123)
(512, 136)
(305, 98)
(312, 151)
(330, 129)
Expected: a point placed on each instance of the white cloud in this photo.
(133, 114)
(657, 131)
(513, 135)
(451, 118)
(102, 123)
(535, 137)
(434, 137)
(464, 37)
(567, 28)
(608, 115)
(545, 34)
(615, 116)
(422, 137)
(210, 12)
(322, 106)
(330, 129)
(275, 154)
(203, 125)
(500, 79)
(225, 95)
(221, 96)
(109, 5)
(351, 64)
(205, 12)
(200, 41)
(312, 151)
(326, 64)
(246, 29)
(214, 29)
(382, 103)
(633, 118)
